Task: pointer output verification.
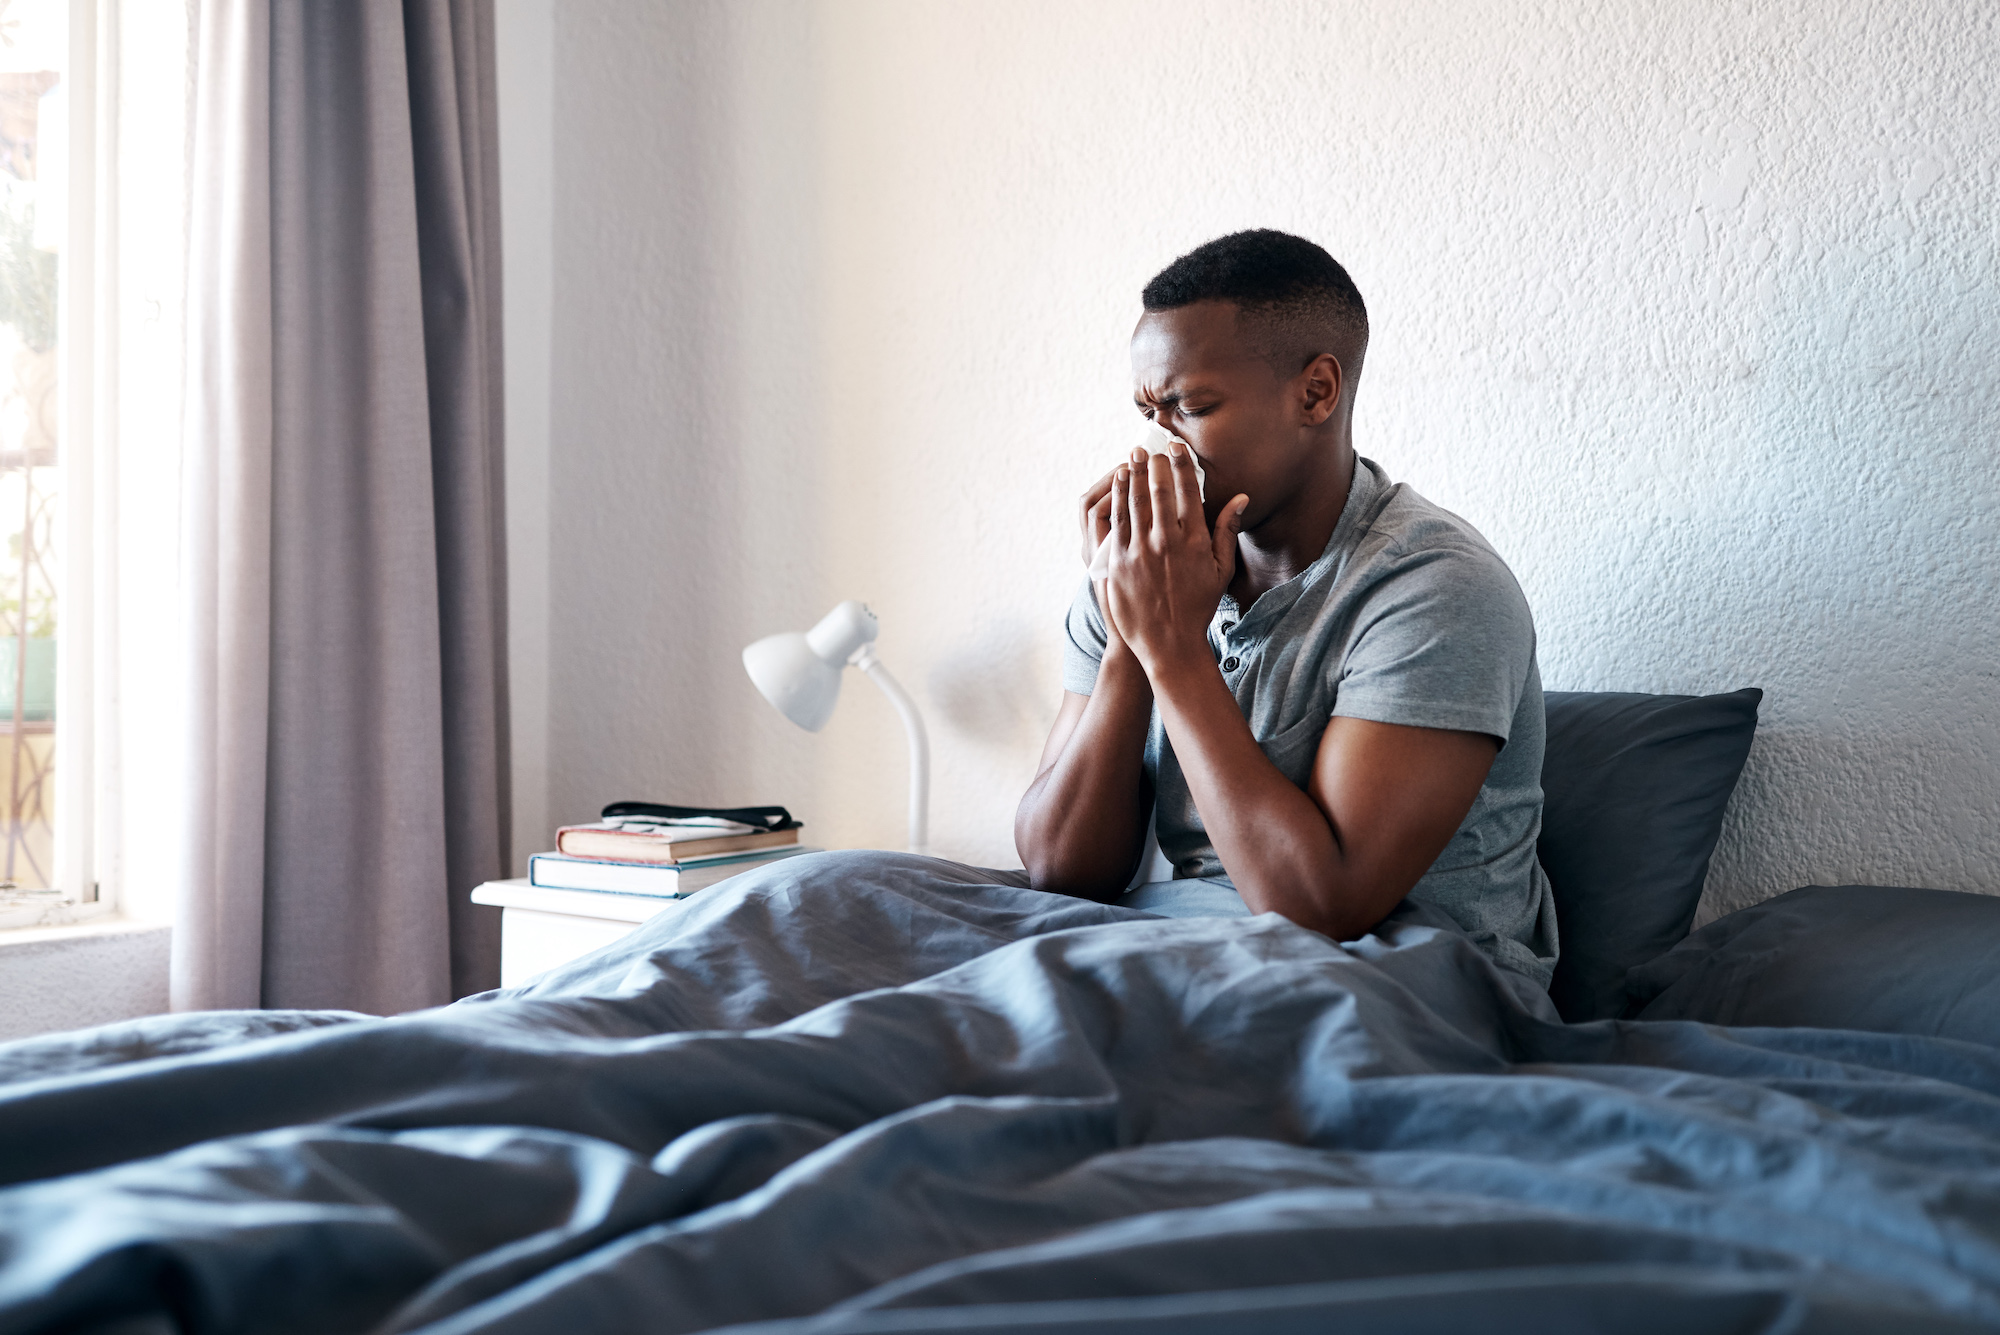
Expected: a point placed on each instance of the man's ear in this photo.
(1320, 385)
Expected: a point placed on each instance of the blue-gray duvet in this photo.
(871, 1092)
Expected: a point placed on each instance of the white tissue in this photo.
(1155, 439)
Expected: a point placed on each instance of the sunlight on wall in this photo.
(1682, 308)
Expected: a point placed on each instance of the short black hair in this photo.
(1310, 302)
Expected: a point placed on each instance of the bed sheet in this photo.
(873, 1092)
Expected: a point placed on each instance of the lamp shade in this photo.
(798, 681)
(800, 674)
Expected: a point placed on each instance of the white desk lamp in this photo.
(800, 674)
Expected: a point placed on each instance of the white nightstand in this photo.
(540, 928)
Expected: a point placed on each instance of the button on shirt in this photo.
(1407, 617)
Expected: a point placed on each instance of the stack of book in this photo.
(643, 848)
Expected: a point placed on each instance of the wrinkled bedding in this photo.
(873, 1092)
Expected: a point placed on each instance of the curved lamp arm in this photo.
(920, 743)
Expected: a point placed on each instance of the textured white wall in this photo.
(1689, 307)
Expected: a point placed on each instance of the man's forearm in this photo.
(1081, 822)
(1281, 851)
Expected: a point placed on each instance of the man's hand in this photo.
(1082, 822)
(1168, 569)
(1094, 513)
(1094, 518)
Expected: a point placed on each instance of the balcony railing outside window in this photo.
(33, 186)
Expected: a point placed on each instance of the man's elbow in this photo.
(1054, 874)
(1344, 913)
(1335, 924)
(1060, 861)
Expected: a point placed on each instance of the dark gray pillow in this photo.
(1633, 791)
(1839, 957)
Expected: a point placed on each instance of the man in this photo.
(1322, 686)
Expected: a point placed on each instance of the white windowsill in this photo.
(32, 915)
(101, 924)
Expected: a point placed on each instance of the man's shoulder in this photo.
(1409, 521)
(1413, 537)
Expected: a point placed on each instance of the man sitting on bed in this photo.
(1321, 685)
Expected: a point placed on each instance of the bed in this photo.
(874, 1092)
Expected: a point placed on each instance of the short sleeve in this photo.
(1445, 640)
(1084, 640)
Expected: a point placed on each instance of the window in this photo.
(92, 189)
(34, 177)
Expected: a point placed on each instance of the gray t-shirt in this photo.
(1407, 617)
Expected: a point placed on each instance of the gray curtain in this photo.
(348, 781)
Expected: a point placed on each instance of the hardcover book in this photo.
(554, 871)
(625, 839)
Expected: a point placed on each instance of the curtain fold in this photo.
(343, 542)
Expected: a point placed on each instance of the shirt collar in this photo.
(1364, 494)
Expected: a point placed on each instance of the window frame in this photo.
(78, 324)
(81, 351)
